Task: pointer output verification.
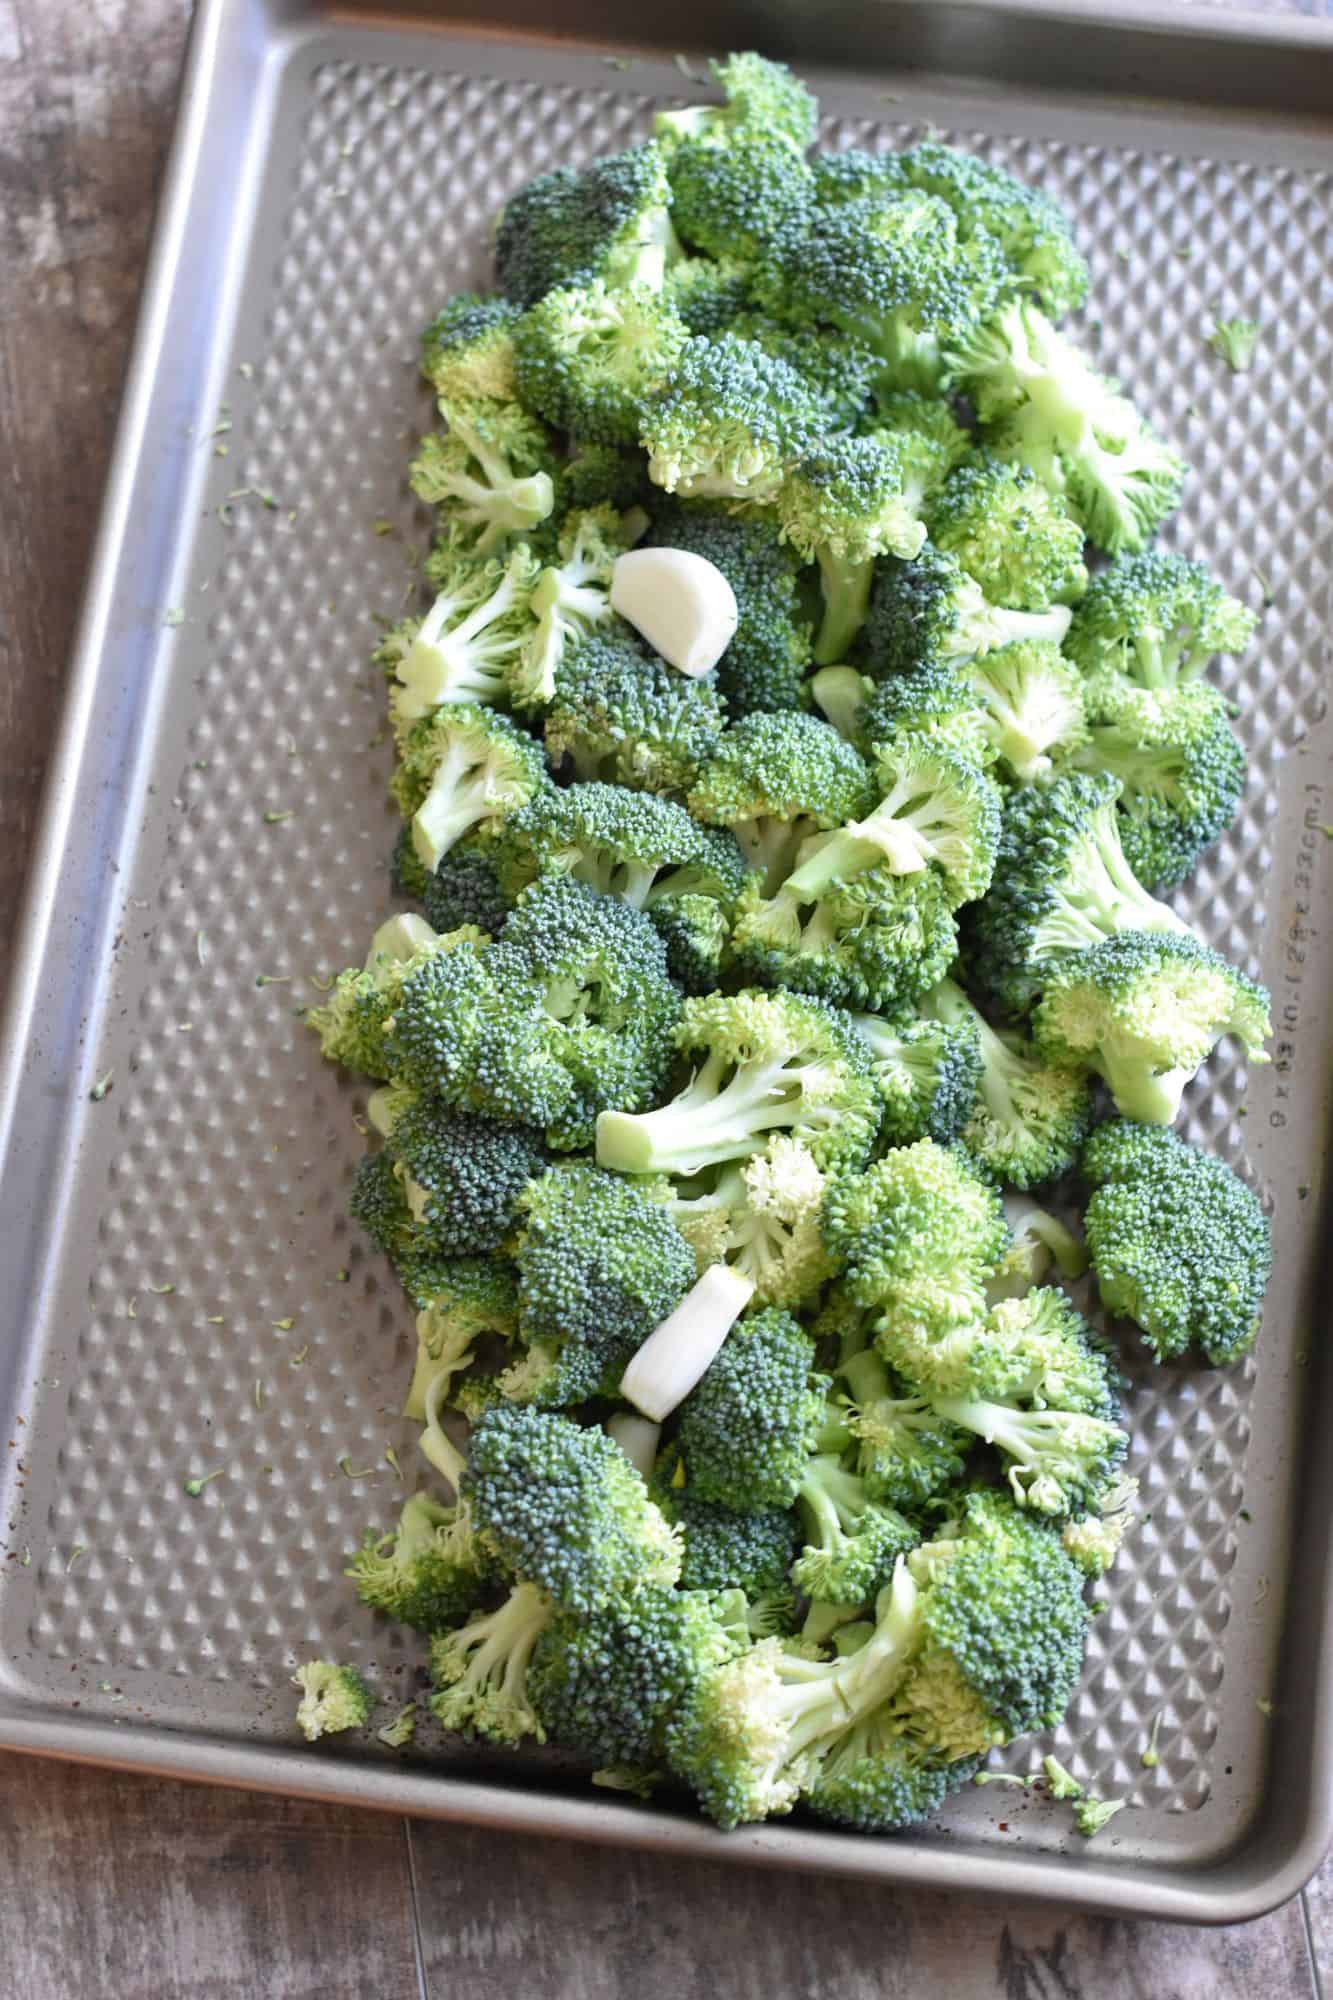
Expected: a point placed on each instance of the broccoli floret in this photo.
(1037, 1240)
(1029, 1116)
(1061, 885)
(1179, 1244)
(599, 475)
(873, 941)
(764, 1063)
(458, 1300)
(729, 423)
(726, 1549)
(461, 1175)
(463, 767)
(644, 849)
(876, 1781)
(608, 220)
(1058, 1461)
(466, 647)
(1033, 702)
(844, 503)
(929, 440)
(776, 779)
(1044, 405)
(570, 596)
(431, 1570)
(1013, 536)
(1032, 1347)
(762, 1217)
(1145, 1010)
(1234, 341)
(758, 96)
(747, 1431)
(933, 704)
(918, 1233)
(928, 1072)
(603, 1682)
(710, 294)
(930, 613)
(738, 198)
(481, 1670)
(600, 1264)
(838, 372)
(1093, 1540)
(1181, 772)
(621, 715)
(765, 663)
(1156, 619)
(467, 350)
(854, 1540)
(905, 1452)
(565, 1508)
(587, 355)
(333, 1698)
(462, 893)
(1031, 230)
(491, 472)
(351, 1022)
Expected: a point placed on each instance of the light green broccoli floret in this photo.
(431, 1570)
(333, 1698)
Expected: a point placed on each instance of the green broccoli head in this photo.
(586, 356)
(1030, 229)
(747, 1431)
(874, 940)
(930, 614)
(906, 1454)
(467, 350)
(758, 96)
(728, 424)
(462, 893)
(1032, 698)
(839, 373)
(1013, 536)
(845, 502)
(565, 1509)
(351, 1023)
(776, 779)
(854, 1541)
(725, 1548)
(491, 472)
(570, 598)
(933, 705)
(1156, 619)
(609, 220)
(710, 294)
(461, 1176)
(1179, 1244)
(431, 1570)
(737, 199)
(928, 1071)
(1029, 1116)
(463, 768)
(621, 715)
(1144, 1010)
(874, 1780)
(765, 663)
(469, 643)
(459, 1301)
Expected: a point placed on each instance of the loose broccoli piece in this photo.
(587, 355)
(765, 664)
(855, 1541)
(1235, 340)
(931, 705)
(737, 199)
(905, 1452)
(1013, 536)
(749, 1428)
(600, 1264)
(1181, 772)
(570, 597)
(463, 767)
(491, 472)
(351, 1022)
(603, 1682)
(1061, 885)
(765, 1063)
(462, 893)
(333, 1698)
(1156, 619)
(565, 1509)
(1178, 1242)
(467, 350)
(724, 1548)
(609, 220)
(458, 1300)
(1033, 1347)
(729, 423)
(431, 1570)
(1042, 403)
(843, 504)
(762, 1217)
(461, 1176)
(1033, 702)
(928, 1072)
(469, 643)
(1145, 1010)
(917, 1233)
(1093, 1540)
(937, 812)
(775, 780)
(644, 849)
(710, 294)
(929, 613)
(481, 1670)
(1031, 230)
(621, 715)
(758, 96)
(1029, 1117)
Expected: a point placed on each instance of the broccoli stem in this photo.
(818, 1700)
(866, 1377)
(771, 846)
(458, 799)
(1101, 895)
(846, 584)
(1049, 1449)
(1152, 1097)
(840, 695)
(900, 834)
(986, 628)
(708, 1123)
(436, 1444)
(498, 1648)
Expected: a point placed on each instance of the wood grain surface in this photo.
(121, 1888)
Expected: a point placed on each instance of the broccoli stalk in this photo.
(481, 1671)
(937, 809)
(465, 647)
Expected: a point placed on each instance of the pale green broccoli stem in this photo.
(629, 881)
(823, 1620)
(399, 938)
(436, 1444)
(562, 604)
(492, 1654)
(461, 795)
(678, 1354)
(818, 1699)
(1151, 1097)
(1061, 1784)
(509, 506)
(831, 1498)
(655, 249)
(771, 846)
(1101, 895)
(982, 627)
(846, 584)
(1028, 1218)
(637, 1437)
(1048, 1449)
(840, 695)
(902, 834)
(709, 1123)
(866, 1377)
(465, 662)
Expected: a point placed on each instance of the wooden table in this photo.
(133, 1890)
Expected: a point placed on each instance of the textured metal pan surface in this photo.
(186, 1295)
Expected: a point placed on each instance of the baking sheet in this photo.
(185, 1293)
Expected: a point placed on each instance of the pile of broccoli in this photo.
(748, 1021)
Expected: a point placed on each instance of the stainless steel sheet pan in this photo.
(182, 1292)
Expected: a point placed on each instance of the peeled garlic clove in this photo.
(681, 603)
(679, 1353)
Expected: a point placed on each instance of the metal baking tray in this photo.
(182, 1292)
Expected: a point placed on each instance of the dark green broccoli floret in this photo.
(467, 351)
(930, 613)
(726, 1549)
(459, 1300)
(747, 1431)
(1031, 230)
(877, 1781)
(839, 373)
(1030, 1116)
(1014, 537)
(1181, 772)
(607, 220)
(710, 294)
(600, 1264)
(931, 704)
(763, 1063)
(599, 475)
(845, 502)
(565, 1508)
(621, 715)
(491, 471)
(765, 663)
(929, 440)
(463, 768)
(735, 199)
(928, 1073)
(775, 780)
(1156, 619)
(854, 1540)
(481, 1670)
(461, 1175)
(758, 96)
(729, 423)
(1178, 1242)
(1061, 885)
(351, 1023)
(431, 1570)
(587, 355)
(1145, 1009)
(463, 891)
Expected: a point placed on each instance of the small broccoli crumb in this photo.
(1091, 1815)
(333, 1698)
(1059, 1782)
(104, 1084)
(1148, 1756)
(1235, 340)
(194, 1487)
(402, 1728)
